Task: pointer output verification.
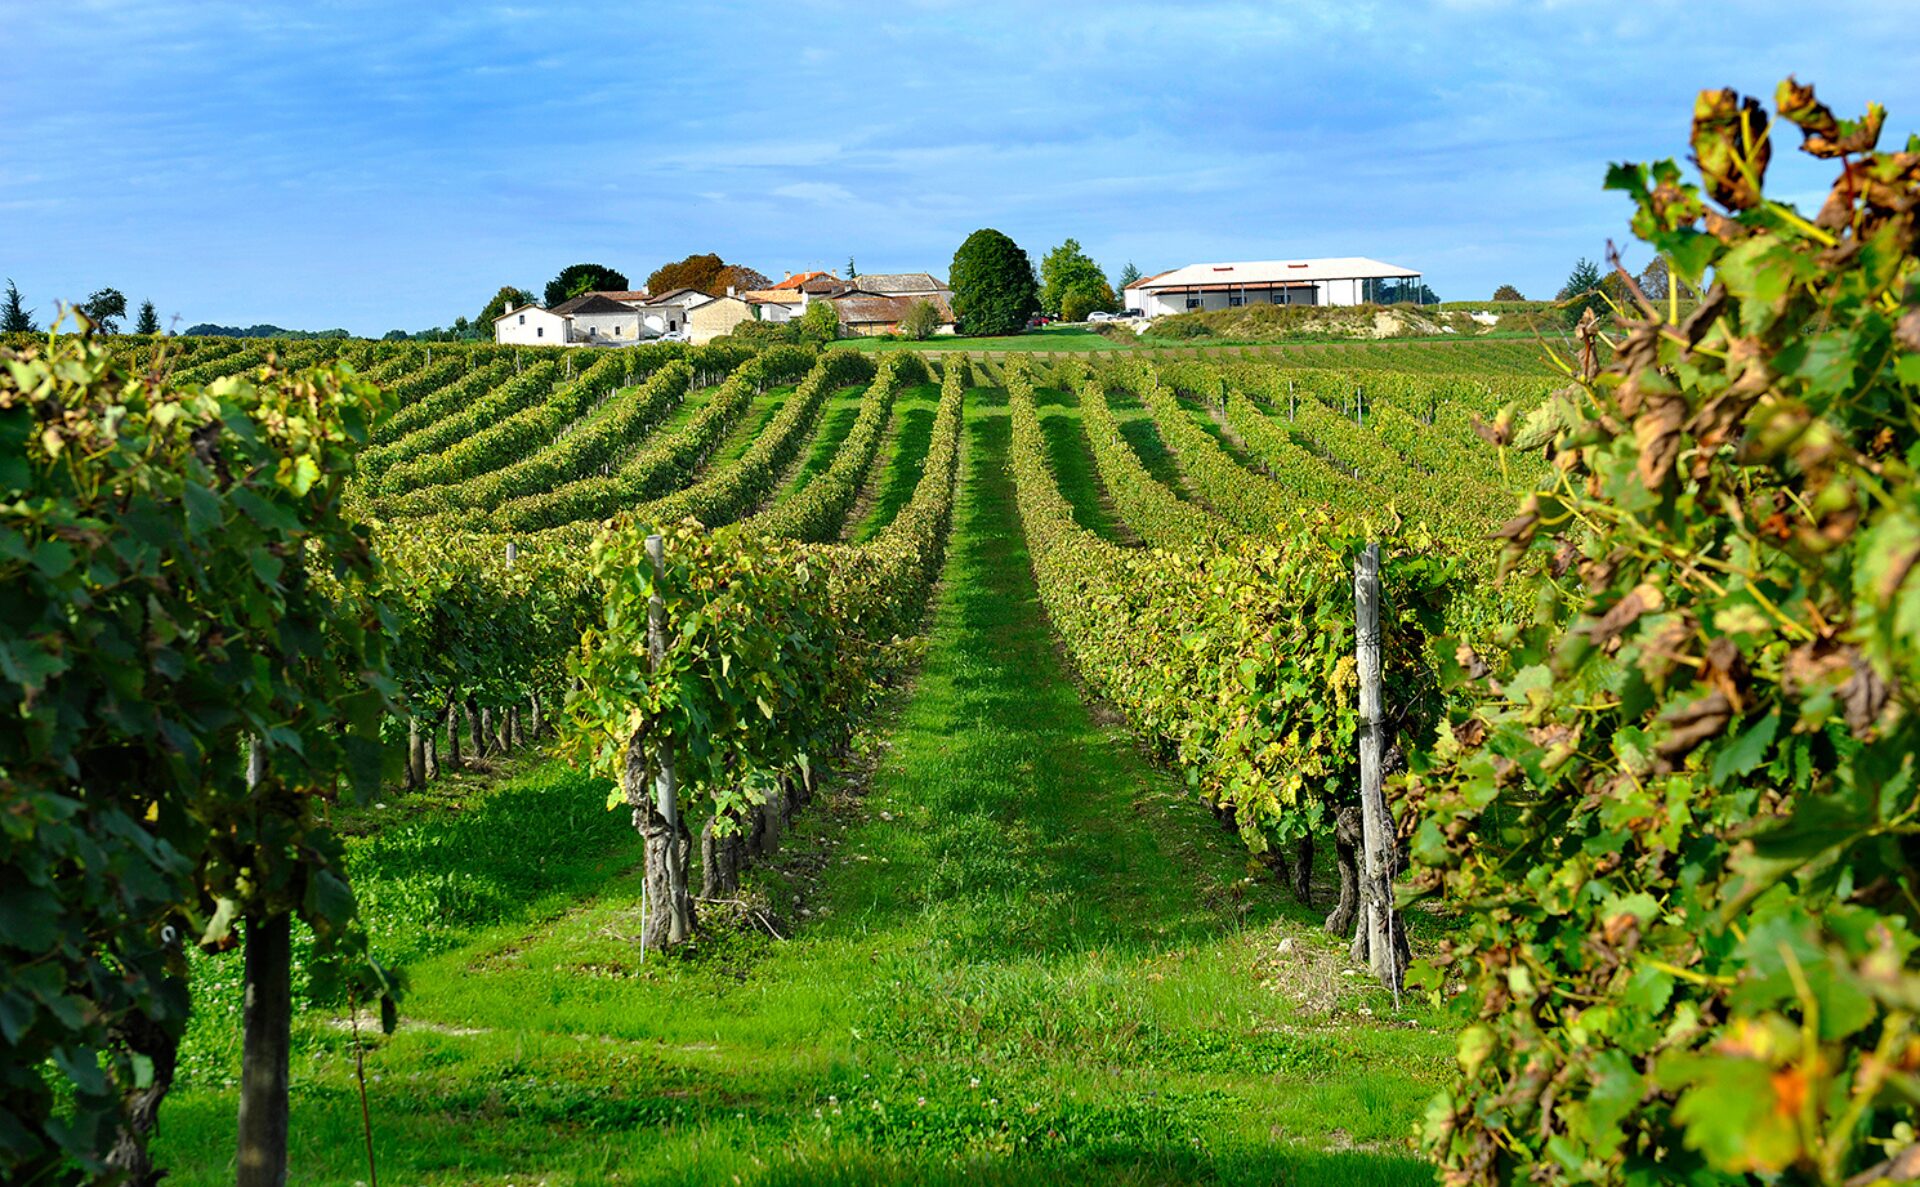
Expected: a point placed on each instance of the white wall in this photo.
(607, 327)
(531, 327)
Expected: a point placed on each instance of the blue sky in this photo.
(389, 165)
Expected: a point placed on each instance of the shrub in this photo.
(921, 322)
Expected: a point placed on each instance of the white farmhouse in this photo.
(1348, 280)
(530, 325)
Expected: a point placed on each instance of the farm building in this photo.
(868, 315)
(530, 325)
(1348, 280)
(710, 319)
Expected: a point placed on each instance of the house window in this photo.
(1193, 302)
(539, 331)
(523, 319)
(1233, 302)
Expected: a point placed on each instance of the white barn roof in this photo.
(1277, 272)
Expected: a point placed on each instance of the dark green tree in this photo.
(851, 272)
(1507, 292)
(149, 321)
(575, 279)
(993, 285)
(507, 298)
(1127, 276)
(14, 318)
(104, 308)
(1582, 291)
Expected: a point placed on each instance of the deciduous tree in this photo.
(1064, 269)
(507, 298)
(921, 322)
(695, 272)
(1507, 292)
(104, 308)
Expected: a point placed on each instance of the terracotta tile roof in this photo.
(797, 279)
(1144, 279)
(868, 309)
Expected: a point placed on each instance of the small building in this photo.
(530, 325)
(718, 315)
(1347, 280)
(872, 315)
(776, 304)
(902, 284)
(667, 313)
(600, 321)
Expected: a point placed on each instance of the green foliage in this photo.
(819, 323)
(1065, 269)
(149, 321)
(1127, 276)
(993, 288)
(181, 577)
(1084, 297)
(509, 297)
(1507, 292)
(14, 317)
(575, 279)
(1680, 808)
(772, 646)
(921, 322)
(104, 308)
(1581, 292)
(1233, 659)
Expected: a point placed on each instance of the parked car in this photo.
(1102, 315)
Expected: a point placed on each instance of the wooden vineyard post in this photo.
(1379, 938)
(678, 910)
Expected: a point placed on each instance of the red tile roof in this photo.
(798, 279)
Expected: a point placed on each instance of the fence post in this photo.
(1379, 937)
(664, 785)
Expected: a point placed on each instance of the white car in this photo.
(1102, 315)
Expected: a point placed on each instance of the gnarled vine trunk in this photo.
(667, 846)
(129, 1157)
(1346, 849)
(721, 859)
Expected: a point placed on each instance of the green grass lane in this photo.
(903, 459)
(1016, 953)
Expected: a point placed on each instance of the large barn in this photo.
(1348, 280)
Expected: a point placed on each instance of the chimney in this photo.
(729, 290)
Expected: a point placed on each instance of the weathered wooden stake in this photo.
(1379, 938)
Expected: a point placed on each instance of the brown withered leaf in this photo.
(1864, 695)
(1692, 723)
(1731, 147)
(1661, 654)
(1657, 432)
(1701, 320)
(1907, 331)
(1470, 733)
(1470, 661)
(1564, 554)
(1642, 599)
(1725, 671)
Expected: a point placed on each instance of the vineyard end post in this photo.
(1378, 923)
